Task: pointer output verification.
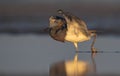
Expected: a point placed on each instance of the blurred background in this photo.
(23, 16)
(25, 48)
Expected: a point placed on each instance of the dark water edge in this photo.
(99, 32)
(37, 25)
(45, 74)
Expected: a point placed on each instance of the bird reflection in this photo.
(93, 64)
(73, 67)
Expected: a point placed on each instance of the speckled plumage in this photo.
(58, 28)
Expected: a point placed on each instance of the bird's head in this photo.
(56, 21)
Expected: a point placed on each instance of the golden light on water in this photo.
(76, 67)
(73, 67)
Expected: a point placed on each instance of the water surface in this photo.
(31, 53)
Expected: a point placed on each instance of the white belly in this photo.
(76, 38)
(74, 34)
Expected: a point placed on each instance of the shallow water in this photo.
(31, 53)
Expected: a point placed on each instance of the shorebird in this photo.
(68, 27)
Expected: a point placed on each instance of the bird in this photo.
(68, 27)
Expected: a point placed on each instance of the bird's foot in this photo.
(94, 51)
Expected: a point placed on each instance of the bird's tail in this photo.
(95, 31)
(92, 32)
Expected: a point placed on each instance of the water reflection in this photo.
(73, 67)
(93, 63)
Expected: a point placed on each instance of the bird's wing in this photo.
(75, 22)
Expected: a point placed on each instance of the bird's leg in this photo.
(94, 51)
(76, 46)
